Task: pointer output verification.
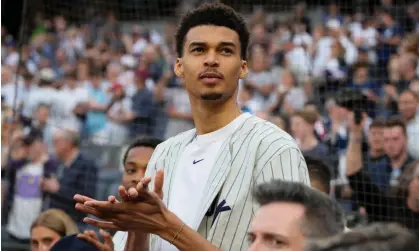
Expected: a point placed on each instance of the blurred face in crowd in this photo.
(150, 54)
(6, 74)
(408, 105)
(394, 141)
(375, 138)
(258, 32)
(113, 71)
(42, 114)
(287, 79)
(300, 128)
(333, 9)
(280, 122)
(35, 150)
(71, 82)
(361, 75)
(43, 238)
(258, 61)
(276, 226)
(211, 64)
(61, 56)
(96, 81)
(318, 32)
(135, 165)
(386, 19)
(61, 145)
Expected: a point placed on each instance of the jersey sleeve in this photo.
(287, 164)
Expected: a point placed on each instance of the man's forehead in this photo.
(140, 151)
(205, 33)
(268, 216)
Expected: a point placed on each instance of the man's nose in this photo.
(211, 59)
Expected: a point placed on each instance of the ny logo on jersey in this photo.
(222, 207)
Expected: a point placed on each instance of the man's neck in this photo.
(308, 142)
(398, 161)
(211, 117)
(70, 156)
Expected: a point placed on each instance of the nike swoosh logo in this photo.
(196, 161)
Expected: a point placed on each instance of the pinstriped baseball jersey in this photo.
(257, 151)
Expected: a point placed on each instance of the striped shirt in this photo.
(257, 152)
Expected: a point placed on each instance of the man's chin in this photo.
(212, 96)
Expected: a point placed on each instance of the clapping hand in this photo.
(91, 237)
(140, 211)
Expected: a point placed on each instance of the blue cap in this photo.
(73, 243)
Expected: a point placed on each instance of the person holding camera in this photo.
(381, 166)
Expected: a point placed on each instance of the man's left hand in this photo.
(148, 216)
(50, 185)
(142, 211)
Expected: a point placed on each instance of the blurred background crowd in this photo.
(342, 77)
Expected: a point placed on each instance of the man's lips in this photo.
(211, 75)
(211, 78)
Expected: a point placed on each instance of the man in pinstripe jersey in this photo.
(209, 171)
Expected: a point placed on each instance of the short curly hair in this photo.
(216, 14)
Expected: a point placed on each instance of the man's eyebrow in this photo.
(221, 44)
(197, 43)
(226, 43)
(271, 235)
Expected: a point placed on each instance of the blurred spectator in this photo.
(297, 208)
(260, 77)
(289, 97)
(320, 174)
(42, 123)
(389, 38)
(98, 104)
(302, 128)
(143, 105)
(396, 204)
(247, 100)
(77, 174)
(71, 95)
(49, 227)
(119, 113)
(28, 166)
(409, 109)
(179, 111)
(333, 12)
(383, 170)
(319, 126)
(45, 94)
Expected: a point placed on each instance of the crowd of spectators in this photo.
(95, 84)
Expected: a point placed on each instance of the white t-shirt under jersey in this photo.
(194, 167)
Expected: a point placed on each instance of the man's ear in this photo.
(178, 68)
(244, 70)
